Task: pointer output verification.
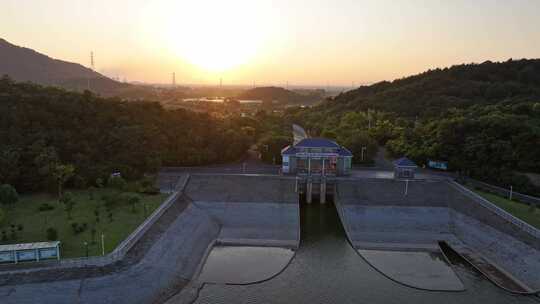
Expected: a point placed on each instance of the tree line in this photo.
(49, 135)
(483, 119)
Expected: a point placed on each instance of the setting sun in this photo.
(224, 38)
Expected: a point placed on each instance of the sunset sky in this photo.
(305, 42)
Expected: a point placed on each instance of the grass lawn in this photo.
(519, 210)
(35, 222)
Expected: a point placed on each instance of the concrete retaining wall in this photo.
(377, 214)
(241, 188)
(251, 210)
(381, 226)
(245, 223)
(518, 258)
(389, 192)
(465, 203)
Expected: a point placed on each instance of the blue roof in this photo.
(404, 162)
(288, 150)
(344, 152)
(317, 143)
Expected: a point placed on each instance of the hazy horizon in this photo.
(315, 42)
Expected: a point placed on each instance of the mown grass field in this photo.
(520, 210)
(34, 222)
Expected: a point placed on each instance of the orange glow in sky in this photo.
(272, 41)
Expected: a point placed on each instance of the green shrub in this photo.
(99, 183)
(116, 182)
(52, 234)
(109, 201)
(79, 182)
(78, 228)
(45, 207)
(8, 195)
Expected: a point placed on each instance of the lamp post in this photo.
(102, 244)
(86, 248)
(364, 150)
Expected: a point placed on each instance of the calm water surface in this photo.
(327, 270)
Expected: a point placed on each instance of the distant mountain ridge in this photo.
(282, 95)
(24, 64)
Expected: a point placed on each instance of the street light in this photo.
(364, 150)
(86, 247)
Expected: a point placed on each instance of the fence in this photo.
(495, 209)
(527, 199)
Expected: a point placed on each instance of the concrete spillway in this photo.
(260, 210)
(390, 215)
(259, 225)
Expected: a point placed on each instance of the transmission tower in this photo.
(92, 61)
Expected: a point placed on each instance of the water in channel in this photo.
(326, 269)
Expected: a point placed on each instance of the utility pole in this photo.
(174, 79)
(92, 65)
(364, 150)
(102, 244)
(406, 187)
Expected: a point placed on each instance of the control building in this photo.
(316, 162)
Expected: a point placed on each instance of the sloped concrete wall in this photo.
(387, 224)
(270, 224)
(465, 204)
(521, 259)
(388, 192)
(251, 210)
(381, 192)
(241, 188)
(377, 211)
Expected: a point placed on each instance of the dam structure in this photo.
(423, 215)
(256, 238)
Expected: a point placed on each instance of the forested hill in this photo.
(281, 95)
(23, 64)
(433, 92)
(44, 127)
(483, 119)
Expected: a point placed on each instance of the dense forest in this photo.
(484, 119)
(43, 128)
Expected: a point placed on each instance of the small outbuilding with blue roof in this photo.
(404, 168)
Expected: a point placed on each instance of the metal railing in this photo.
(523, 198)
(497, 210)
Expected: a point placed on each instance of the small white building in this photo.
(15, 253)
